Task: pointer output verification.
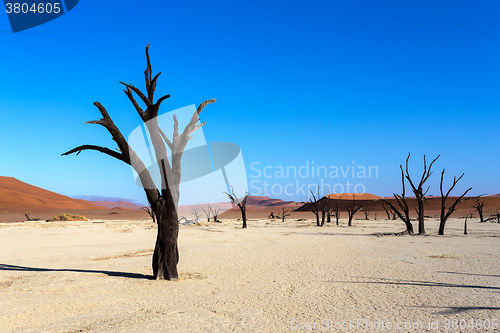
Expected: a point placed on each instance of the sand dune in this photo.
(16, 195)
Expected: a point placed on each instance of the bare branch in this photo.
(104, 150)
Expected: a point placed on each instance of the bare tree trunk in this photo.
(243, 217)
(166, 253)
(421, 217)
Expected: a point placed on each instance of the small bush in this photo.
(67, 217)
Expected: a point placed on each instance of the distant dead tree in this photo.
(163, 199)
(215, 213)
(419, 191)
(494, 217)
(352, 209)
(404, 214)
(327, 207)
(284, 214)
(196, 213)
(446, 214)
(375, 215)
(150, 212)
(367, 212)
(465, 226)
(207, 212)
(478, 206)
(272, 216)
(315, 206)
(242, 204)
(30, 219)
(337, 210)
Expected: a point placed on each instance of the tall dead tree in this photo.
(163, 199)
(419, 192)
(446, 214)
(352, 209)
(478, 206)
(404, 214)
(315, 206)
(242, 204)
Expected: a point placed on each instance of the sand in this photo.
(94, 276)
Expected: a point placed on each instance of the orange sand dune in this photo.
(16, 195)
(360, 196)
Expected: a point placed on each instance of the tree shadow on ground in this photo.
(6, 267)
(418, 283)
(451, 310)
(463, 273)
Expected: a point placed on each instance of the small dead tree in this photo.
(284, 214)
(478, 206)
(337, 210)
(163, 199)
(316, 206)
(207, 212)
(215, 213)
(465, 226)
(196, 213)
(446, 214)
(352, 209)
(419, 191)
(242, 204)
(150, 212)
(404, 214)
(367, 213)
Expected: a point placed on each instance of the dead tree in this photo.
(446, 214)
(352, 209)
(215, 213)
(367, 212)
(150, 212)
(404, 214)
(196, 213)
(207, 212)
(284, 214)
(242, 204)
(272, 216)
(478, 205)
(465, 226)
(419, 191)
(163, 200)
(315, 206)
(337, 210)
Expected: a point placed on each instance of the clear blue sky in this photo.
(326, 81)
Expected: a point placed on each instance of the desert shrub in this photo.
(67, 217)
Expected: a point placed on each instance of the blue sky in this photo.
(326, 81)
